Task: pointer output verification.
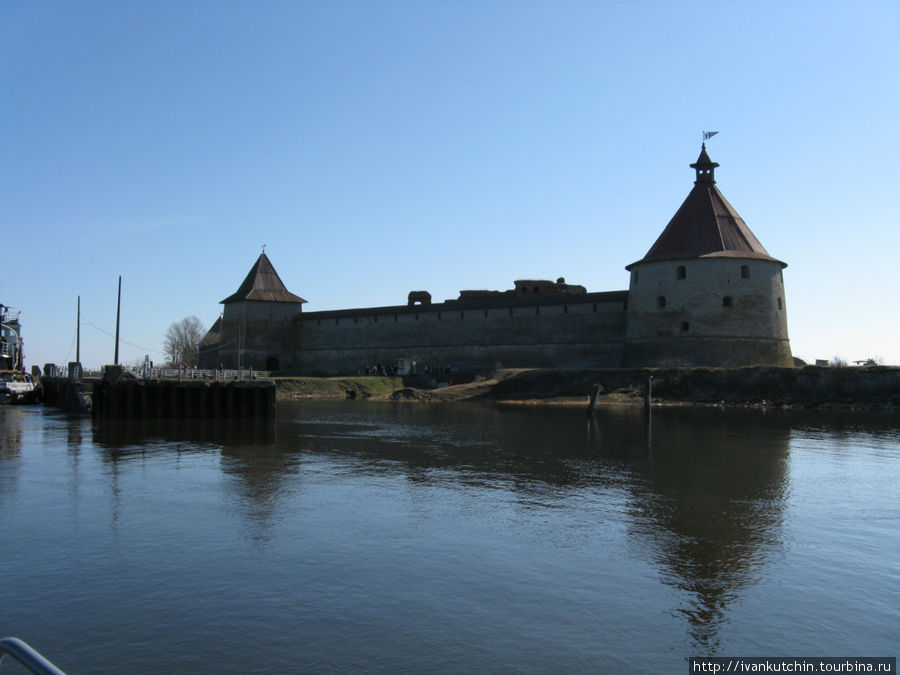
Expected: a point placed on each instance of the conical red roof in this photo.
(706, 225)
(263, 284)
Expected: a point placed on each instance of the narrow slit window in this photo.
(745, 271)
(681, 272)
(780, 304)
(661, 301)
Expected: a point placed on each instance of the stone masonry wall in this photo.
(583, 331)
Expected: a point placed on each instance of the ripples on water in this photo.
(361, 536)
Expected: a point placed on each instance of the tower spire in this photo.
(704, 167)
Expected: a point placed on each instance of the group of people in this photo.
(392, 370)
(383, 371)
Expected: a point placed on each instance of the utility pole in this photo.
(118, 314)
(78, 334)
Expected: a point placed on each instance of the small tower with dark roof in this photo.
(707, 292)
(259, 324)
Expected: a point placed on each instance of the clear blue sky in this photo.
(377, 147)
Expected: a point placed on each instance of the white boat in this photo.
(18, 387)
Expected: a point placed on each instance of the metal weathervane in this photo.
(708, 134)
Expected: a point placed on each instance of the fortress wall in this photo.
(704, 351)
(467, 336)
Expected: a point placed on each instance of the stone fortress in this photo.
(706, 294)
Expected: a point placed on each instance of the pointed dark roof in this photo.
(263, 284)
(706, 225)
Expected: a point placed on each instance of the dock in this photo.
(115, 396)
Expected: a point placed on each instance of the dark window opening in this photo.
(681, 272)
(745, 271)
(537, 310)
(272, 363)
(485, 314)
(685, 326)
(595, 306)
(565, 309)
(462, 315)
(779, 303)
(661, 301)
(727, 301)
(510, 311)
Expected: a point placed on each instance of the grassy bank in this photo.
(810, 386)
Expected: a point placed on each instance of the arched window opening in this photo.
(681, 272)
(272, 363)
(661, 301)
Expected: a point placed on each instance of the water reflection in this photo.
(701, 493)
(705, 489)
(122, 438)
(709, 503)
(11, 433)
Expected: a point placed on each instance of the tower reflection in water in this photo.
(704, 489)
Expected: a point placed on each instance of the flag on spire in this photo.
(709, 134)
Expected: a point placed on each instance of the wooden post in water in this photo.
(648, 401)
(597, 389)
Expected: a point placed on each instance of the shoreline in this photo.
(865, 388)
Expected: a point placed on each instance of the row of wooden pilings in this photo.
(117, 397)
(163, 399)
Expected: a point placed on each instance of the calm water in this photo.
(379, 537)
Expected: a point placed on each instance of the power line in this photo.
(130, 344)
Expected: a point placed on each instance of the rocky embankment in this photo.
(809, 386)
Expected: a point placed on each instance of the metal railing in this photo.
(27, 656)
(143, 373)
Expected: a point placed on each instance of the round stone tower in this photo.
(706, 293)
